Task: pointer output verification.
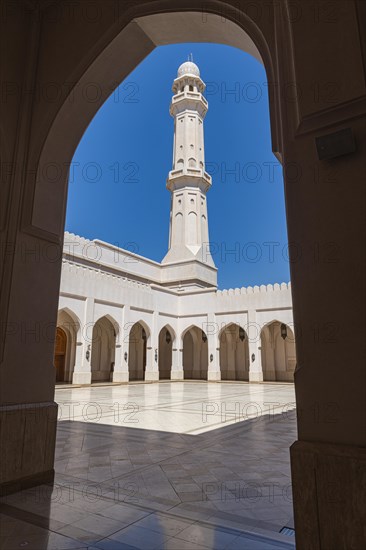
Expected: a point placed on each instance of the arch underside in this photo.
(140, 36)
(165, 357)
(278, 353)
(234, 354)
(137, 352)
(195, 354)
(68, 323)
(103, 350)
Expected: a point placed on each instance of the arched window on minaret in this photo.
(204, 229)
(180, 164)
(192, 162)
(192, 228)
(177, 234)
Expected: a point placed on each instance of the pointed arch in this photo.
(114, 324)
(190, 327)
(71, 316)
(146, 328)
(60, 354)
(166, 342)
(192, 228)
(103, 349)
(278, 352)
(69, 323)
(137, 350)
(162, 26)
(234, 352)
(195, 353)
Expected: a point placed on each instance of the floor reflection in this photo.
(169, 465)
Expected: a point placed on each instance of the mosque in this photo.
(123, 317)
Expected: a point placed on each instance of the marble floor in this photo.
(170, 465)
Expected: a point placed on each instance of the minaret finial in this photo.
(190, 57)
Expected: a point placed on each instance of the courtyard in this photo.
(174, 465)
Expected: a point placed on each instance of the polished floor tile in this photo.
(169, 465)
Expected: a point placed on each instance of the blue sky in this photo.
(117, 187)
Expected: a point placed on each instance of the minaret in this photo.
(188, 181)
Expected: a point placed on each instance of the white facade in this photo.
(124, 317)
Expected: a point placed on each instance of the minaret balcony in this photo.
(192, 95)
(188, 177)
(193, 101)
(190, 172)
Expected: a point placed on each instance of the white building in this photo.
(123, 317)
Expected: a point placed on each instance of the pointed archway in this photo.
(103, 350)
(278, 352)
(234, 353)
(68, 328)
(195, 354)
(137, 350)
(60, 354)
(166, 340)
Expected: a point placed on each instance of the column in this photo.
(231, 357)
(82, 370)
(255, 351)
(120, 373)
(152, 352)
(214, 372)
(177, 372)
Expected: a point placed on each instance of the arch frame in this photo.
(241, 364)
(73, 316)
(276, 361)
(73, 332)
(199, 363)
(60, 364)
(146, 328)
(225, 327)
(277, 320)
(188, 328)
(169, 327)
(139, 362)
(113, 322)
(145, 24)
(165, 372)
(105, 343)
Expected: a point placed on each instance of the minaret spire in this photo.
(188, 181)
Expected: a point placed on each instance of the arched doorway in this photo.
(195, 354)
(69, 325)
(234, 353)
(103, 350)
(60, 354)
(137, 352)
(166, 338)
(278, 352)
